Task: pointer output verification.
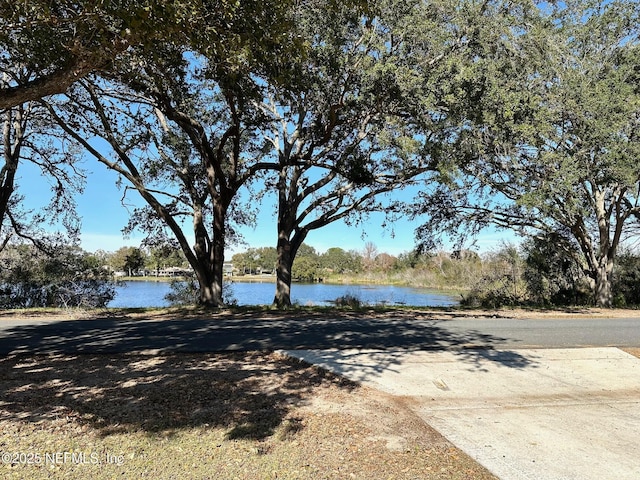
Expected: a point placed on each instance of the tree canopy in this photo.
(58, 43)
(554, 148)
(366, 115)
(29, 136)
(178, 125)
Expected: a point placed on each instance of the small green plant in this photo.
(185, 292)
(348, 300)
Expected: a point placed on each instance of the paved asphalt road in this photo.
(241, 332)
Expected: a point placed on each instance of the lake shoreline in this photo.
(451, 290)
(152, 293)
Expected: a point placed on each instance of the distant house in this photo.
(227, 269)
(174, 272)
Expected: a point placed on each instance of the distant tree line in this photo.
(536, 273)
(134, 261)
(309, 265)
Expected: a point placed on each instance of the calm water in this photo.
(151, 294)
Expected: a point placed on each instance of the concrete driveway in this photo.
(553, 414)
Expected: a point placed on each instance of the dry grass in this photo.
(219, 416)
(19, 316)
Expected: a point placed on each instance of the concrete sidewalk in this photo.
(559, 414)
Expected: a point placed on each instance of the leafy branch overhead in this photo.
(60, 42)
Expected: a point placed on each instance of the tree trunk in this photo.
(282, 298)
(217, 269)
(11, 157)
(210, 291)
(284, 265)
(287, 250)
(602, 291)
(208, 262)
(211, 295)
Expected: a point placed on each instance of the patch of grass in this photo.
(244, 415)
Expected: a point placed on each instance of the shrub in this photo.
(63, 277)
(186, 292)
(501, 283)
(553, 275)
(626, 280)
(348, 300)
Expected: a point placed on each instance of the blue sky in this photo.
(104, 216)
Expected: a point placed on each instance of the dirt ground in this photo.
(258, 312)
(250, 415)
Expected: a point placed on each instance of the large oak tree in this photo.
(178, 127)
(554, 148)
(345, 132)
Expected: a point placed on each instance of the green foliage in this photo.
(128, 259)
(548, 137)
(256, 260)
(337, 260)
(306, 266)
(164, 255)
(514, 114)
(61, 42)
(626, 280)
(501, 283)
(177, 111)
(552, 272)
(344, 131)
(183, 292)
(63, 277)
(546, 273)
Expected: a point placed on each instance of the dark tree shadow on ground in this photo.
(248, 331)
(259, 331)
(183, 384)
(248, 394)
